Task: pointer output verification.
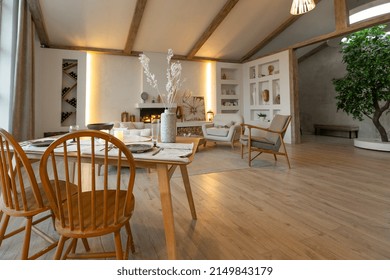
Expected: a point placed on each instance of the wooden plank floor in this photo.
(333, 204)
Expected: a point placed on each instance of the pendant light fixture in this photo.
(302, 6)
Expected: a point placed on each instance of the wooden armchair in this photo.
(103, 204)
(21, 196)
(270, 141)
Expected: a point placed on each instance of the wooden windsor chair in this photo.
(103, 204)
(22, 196)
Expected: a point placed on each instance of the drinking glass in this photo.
(155, 127)
(73, 128)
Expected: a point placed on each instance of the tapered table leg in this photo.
(167, 210)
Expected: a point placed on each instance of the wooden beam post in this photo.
(341, 14)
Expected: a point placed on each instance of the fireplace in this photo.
(150, 111)
(148, 114)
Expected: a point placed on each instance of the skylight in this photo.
(370, 13)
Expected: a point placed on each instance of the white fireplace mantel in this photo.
(152, 105)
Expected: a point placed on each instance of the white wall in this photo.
(115, 86)
(8, 33)
(193, 75)
(48, 85)
(116, 83)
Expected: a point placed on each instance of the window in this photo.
(1, 3)
(370, 10)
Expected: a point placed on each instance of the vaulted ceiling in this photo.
(223, 30)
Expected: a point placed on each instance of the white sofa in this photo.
(133, 128)
(224, 128)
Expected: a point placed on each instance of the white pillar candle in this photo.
(119, 134)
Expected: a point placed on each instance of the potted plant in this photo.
(365, 89)
(262, 116)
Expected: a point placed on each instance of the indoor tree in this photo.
(365, 89)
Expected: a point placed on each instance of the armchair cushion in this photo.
(218, 131)
(225, 128)
(223, 123)
(264, 143)
(277, 124)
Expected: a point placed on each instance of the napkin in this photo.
(169, 152)
(135, 138)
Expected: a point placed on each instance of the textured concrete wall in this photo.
(317, 94)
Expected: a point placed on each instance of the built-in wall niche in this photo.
(69, 92)
(228, 87)
(267, 89)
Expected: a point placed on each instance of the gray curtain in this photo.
(22, 102)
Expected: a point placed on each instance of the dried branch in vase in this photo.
(174, 80)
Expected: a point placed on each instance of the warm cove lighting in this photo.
(370, 13)
(88, 90)
(299, 7)
(208, 86)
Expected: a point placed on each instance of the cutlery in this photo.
(157, 151)
(22, 144)
(110, 147)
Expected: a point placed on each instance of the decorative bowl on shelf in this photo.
(100, 126)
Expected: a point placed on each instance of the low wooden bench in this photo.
(318, 128)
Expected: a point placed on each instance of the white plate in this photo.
(139, 148)
(42, 143)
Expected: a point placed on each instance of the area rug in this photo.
(212, 159)
(217, 158)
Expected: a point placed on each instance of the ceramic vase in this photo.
(168, 126)
(265, 95)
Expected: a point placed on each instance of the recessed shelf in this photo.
(69, 92)
(228, 87)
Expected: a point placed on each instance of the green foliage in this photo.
(366, 87)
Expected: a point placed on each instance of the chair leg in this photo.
(60, 247)
(249, 156)
(288, 161)
(285, 153)
(4, 227)
(118, 245)
(73, 245)
(27, 238)
(275, 157)
(130, 241)
(243, 150)
(86, 245)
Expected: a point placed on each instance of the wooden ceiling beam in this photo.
(88, 49)
(272, 36)
(135, 23)
(229, 5)
(36, 14)
(350, 29)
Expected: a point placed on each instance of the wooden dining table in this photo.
(165, 169)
